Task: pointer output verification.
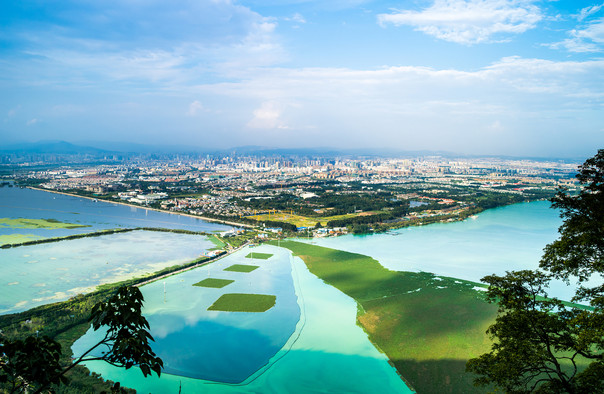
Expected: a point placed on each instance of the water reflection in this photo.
(36, 204)
(45, 273)
(498, 240)
(328, 352)
(214, 345)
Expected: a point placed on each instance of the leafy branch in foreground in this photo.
(542, 344)
(33, 364)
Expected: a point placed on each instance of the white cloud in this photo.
(593, 32)
(588, 37)
(412, 82)
(153, 41)
(469, 21)
(588, 11)
(32, 122)
(575, 45)
(516, 100)
(194, 108)
(296, 18)
(268, 116)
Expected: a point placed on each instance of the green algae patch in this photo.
(214, 283)
(241, 268)
(37, 223)
(259, 256)
(238, 302)
(17, 238)
(427, 325)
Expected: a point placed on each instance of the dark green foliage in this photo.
(336, 203)
(284, 225)
(542, 344)
(35, 364)
(368, 219)
(579, 251)
(30, 364)
(127, 334)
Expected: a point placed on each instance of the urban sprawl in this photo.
(321, 196)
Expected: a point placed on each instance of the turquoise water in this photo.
(507, 238)
(40, 274)
(325, 352)
(36, 204)
(215, 345)
(308, 342)
(493, 242)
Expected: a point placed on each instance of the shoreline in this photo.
(147, 208)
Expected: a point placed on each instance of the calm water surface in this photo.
(36, 204)
(309, 342)
(40, 274)
(215, 345)
(495, 241)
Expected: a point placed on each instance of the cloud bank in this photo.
(469, 21)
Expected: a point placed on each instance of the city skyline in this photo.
(500, 77)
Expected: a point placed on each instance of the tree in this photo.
(542, 344)
(579, 252)
(33, 364)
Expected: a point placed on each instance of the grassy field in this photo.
(218, 243)
(428, 326)
(261, 256)
(241, 268)
(214, 282)
(36, 223)
(305, 221)
(237, 302)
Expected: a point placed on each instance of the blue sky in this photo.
(512, 77)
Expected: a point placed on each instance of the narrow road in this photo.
(193, 266)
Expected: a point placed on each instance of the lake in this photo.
(309, 342)
(492, 242)
(40, 274)
(100, 215)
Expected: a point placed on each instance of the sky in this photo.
(496, 77)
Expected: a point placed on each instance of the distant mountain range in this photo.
(102, 149)
(51, 147)
(105, 148)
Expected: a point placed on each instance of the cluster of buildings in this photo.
(211, 186)
(206, 204)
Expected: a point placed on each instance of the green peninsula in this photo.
(428, 326)
(17, 238)
(37, 223)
